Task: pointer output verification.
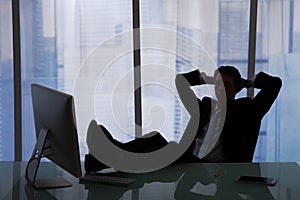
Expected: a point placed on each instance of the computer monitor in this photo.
(56, 133)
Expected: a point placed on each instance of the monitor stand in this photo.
(33, 194)
(34, 162)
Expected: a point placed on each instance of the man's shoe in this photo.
(91, 164)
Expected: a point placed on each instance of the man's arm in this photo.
(183, 84)
(269, 88)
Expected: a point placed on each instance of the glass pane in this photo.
(278, 46)
(78, 47)
(6, 83)
(179, 36)
(158, 50)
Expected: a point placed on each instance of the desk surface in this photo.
(184, 181)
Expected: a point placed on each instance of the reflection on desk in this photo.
(182, 181)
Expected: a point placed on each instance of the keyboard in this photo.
(106, 179)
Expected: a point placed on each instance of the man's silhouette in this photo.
(235, 141)
(238, 137)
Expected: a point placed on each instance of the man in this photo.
(236, 141)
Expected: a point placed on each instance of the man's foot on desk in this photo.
(91, 164)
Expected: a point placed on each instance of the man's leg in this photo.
(148, 143)
(91, 164)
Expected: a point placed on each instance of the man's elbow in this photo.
(277, 82)
(179, 80)
(177, 77)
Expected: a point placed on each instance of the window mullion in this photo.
(252, 43)
(137, 67)
(17, 80)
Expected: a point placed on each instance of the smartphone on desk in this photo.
(257, 179)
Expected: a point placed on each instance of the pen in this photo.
(219, 173)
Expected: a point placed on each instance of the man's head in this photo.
(229, 78)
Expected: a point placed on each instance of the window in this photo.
(278, 34)
(179, 36)
(85, 47)
(58, 39)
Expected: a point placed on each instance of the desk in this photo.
(182, 181)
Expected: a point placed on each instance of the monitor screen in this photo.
(56, 131)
